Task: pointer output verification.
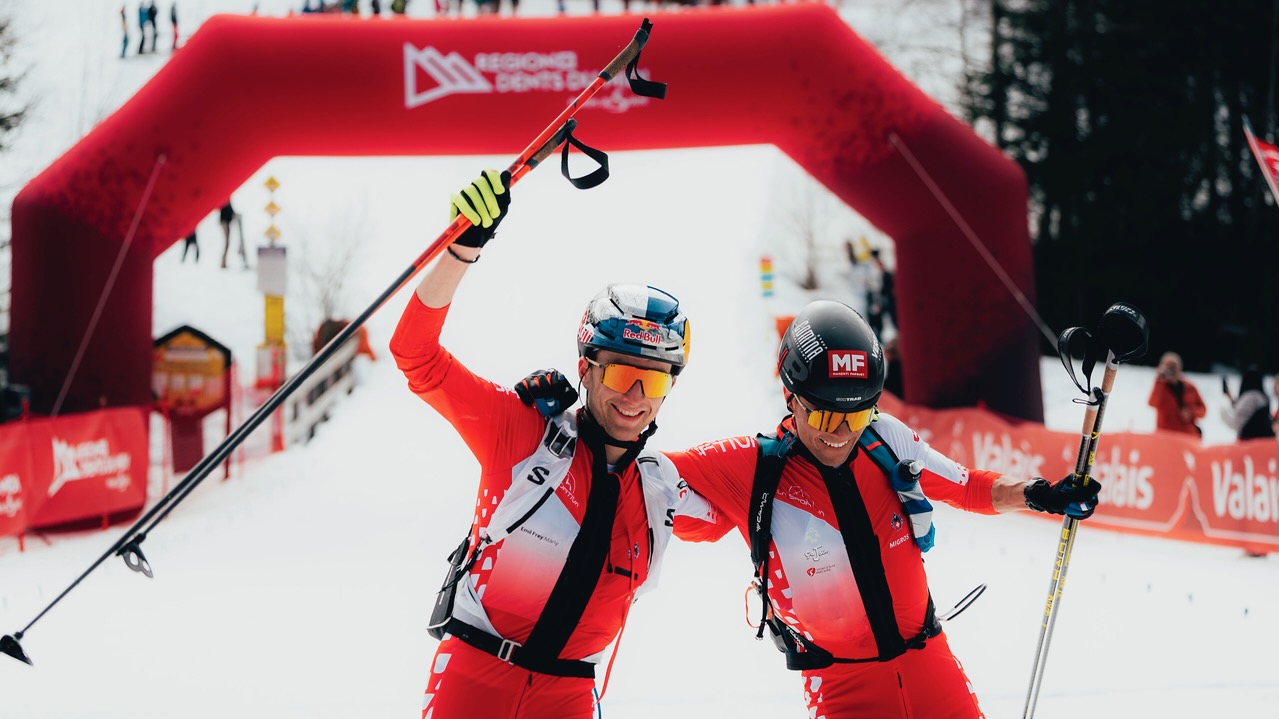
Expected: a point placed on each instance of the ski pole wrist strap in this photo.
(640, 86)
(462, 259)
(589, 180)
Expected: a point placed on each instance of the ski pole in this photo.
(964, 603)
(128, 546)
(1123, 333)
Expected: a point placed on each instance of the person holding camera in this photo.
(1178, 406)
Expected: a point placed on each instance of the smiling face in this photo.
(830, 448)
(623, 415)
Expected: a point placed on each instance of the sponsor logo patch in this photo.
(89, 460)
(847, 363)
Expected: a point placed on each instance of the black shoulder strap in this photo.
(768, 473)
(801, 653)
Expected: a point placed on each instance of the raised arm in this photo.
(484, 202)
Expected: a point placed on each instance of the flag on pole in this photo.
(1267, 156)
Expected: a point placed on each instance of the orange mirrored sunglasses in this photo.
(824, 420)
(654, 383)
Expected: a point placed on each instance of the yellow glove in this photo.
(484, 203)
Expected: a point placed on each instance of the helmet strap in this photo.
(590, 430)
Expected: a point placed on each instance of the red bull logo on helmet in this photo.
(642, 331)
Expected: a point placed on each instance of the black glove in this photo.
(548, 389)
(484, 203)
(1065, 497)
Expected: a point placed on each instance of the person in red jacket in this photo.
(573, 512)
(1177, 403)
(835, 505)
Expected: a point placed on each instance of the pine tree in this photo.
(1127, 119)
(11, 112)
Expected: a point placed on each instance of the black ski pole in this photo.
(1123, 335)
(128, 546)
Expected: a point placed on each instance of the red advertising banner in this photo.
(15, 475)
(1163, 484)
(73, 467)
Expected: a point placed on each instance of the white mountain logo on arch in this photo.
(430, 75)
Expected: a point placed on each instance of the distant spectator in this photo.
(1177, 403)
(1274, 418)
(152, 14)
(173, 20)
(330, 328)
(1249, 414)
(859, 273)
(192, 243)
(226, 216)
(375, 7)
(124, 31)
(893, 369)
(881, 292)
(399, 7)
(142, 28)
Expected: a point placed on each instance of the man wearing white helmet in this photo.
(573, 512)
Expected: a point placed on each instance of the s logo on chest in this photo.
(538, 475)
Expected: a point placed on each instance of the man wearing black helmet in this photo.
(835, 505)
(573, 513)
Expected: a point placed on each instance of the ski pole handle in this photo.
(1066, 538)
(546, 141)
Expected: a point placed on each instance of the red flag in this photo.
(1267, 156)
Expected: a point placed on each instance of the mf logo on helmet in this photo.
(847, 363)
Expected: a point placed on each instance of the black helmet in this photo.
(831, 358)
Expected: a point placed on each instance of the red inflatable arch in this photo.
(795, 76)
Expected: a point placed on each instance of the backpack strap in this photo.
(768, 473)
(904, 477)
(802, 654)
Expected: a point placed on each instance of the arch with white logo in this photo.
(245, 89)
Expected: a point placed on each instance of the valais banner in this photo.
(1164, 484)
(59, 470)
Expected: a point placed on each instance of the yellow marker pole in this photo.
(272, 281)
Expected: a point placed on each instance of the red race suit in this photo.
(813, 586)
(510, 582)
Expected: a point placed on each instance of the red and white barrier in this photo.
(1163, 484)
(70, 468)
